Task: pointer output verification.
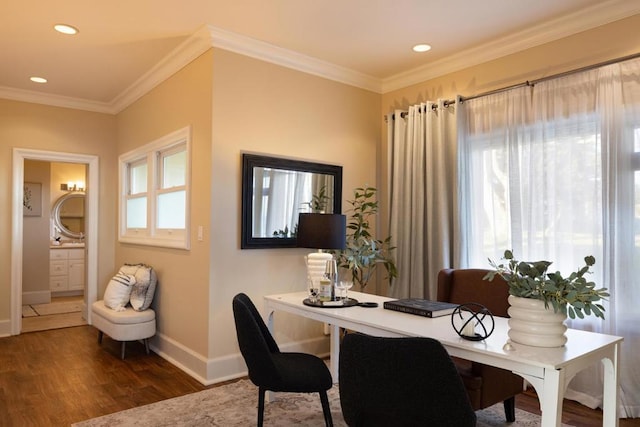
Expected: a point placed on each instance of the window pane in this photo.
(138, 178)
(171, 210)
(174, 169)
(137, 212)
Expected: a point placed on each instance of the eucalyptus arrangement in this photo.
(363, 252)
(573, 295)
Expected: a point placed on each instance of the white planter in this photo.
(533, 324)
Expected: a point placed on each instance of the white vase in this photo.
(533, 324)
(317, 264)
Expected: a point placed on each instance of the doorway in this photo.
(53, 250)
(91, 205)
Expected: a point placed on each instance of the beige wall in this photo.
(35, 238)
(264, 108)
(236, 104)
(182, 296)
(40, 127)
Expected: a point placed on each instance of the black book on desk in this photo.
(421, 307)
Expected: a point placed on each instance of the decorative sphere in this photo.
(472, 321)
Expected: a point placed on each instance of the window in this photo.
(545, 193)
(154, 192)
(557, 177)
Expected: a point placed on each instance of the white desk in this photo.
(549, 370)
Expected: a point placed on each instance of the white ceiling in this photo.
(362, 42)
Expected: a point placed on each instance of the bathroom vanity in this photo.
(66, 268)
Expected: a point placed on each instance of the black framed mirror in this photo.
(276, 190)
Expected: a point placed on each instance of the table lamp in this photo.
(320, 231)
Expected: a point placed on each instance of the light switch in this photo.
(200, 233)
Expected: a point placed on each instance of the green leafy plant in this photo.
(573, 295)
(363, 252)
(318, 203)
(286, 232)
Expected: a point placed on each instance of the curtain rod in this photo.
(534, 82)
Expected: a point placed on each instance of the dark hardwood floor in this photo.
(62, 376)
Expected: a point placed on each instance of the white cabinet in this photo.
(66, 269)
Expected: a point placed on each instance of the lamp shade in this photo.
(322, 231)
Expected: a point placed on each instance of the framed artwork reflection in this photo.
(32, 199)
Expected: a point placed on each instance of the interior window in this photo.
(154, 192)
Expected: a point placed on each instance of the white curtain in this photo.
(553, 172)
(422, 152)
(279, 197)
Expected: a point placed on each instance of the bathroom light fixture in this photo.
(36, 79)
(421, 47)
(65, 29)
(72, 186)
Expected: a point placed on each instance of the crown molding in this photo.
(194, 46)
(287, 58)
(199, 42)
(54, 100)
(585, 19)
(209, 36)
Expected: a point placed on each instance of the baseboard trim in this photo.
(36, 297)
(184, 358)
(5, 328)
(224, 368)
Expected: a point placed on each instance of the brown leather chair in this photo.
(486, 385)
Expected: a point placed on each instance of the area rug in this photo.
(236, 405)
(57, 308)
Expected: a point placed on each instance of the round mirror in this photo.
(68, 215)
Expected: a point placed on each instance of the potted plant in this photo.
(573, 295)
(532, 289)
(363, 252)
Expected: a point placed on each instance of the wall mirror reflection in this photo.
(276, 190)
(68, 215)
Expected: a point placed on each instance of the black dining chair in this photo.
(400, 382)
(272, 370)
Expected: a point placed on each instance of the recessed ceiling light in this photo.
(421, 48)
(65, 29)
(38, 79)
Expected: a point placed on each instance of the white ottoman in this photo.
(128, 325)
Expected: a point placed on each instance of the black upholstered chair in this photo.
(400, 382)
(486, 385)
(272, 370)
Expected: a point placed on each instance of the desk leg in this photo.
(551, 398)
(334, 341)
(270, 395)
(550, 394)
(610, 397)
